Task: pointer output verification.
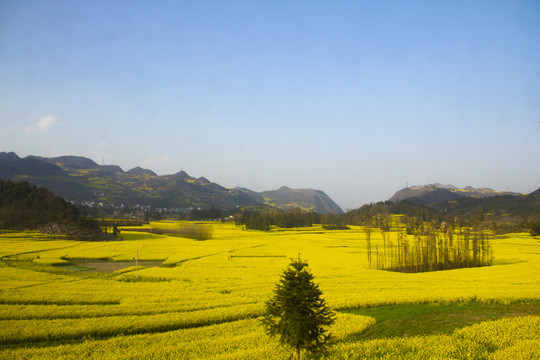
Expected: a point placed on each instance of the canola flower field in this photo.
(205, 299)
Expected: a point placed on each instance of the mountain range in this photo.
(82, 180)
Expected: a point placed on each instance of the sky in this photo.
(355, 98)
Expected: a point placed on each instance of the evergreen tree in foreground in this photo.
(297, 313)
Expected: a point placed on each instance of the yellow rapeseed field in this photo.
(204, 301)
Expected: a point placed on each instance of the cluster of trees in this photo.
(534, 227)
(378, 214)
(294, 217)
(436, 248)
(24, 206)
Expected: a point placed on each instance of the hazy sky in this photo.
(356, 98)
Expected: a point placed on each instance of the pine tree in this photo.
(297, 313)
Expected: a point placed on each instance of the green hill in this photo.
(435, 193)
(424, 195)
(449, 201)
(24, 206)
(306, 199)
(508, 208)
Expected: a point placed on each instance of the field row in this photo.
(32, 331)
(509, 338)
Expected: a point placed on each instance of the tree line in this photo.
(258, 220)
(435, 248)
(379, 215)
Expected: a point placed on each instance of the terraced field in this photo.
(159, 296)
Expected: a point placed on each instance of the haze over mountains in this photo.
(82, 180)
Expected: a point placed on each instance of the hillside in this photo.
(506, 208)
(447, 201)
(435, 193)
(424, 195)
(24, 206)
(83, 181)
(307, 199)
(140, 171)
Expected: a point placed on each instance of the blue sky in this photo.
(356, 98)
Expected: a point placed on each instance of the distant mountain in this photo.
(82, 180)
(28, 166)
(4, 156)
(286, 198)
(307, 199)
(435, 193)
(140, 171)
(424, 195)
(73, 162)
(469, 202)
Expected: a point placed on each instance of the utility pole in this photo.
(137, 265)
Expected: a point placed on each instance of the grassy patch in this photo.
(436, 318)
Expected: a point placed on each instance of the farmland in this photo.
(62, 298)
